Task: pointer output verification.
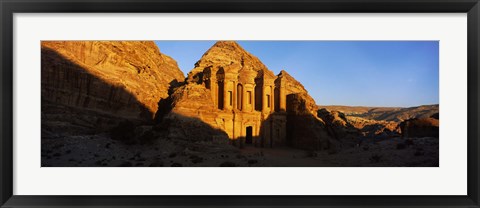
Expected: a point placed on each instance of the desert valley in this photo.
(126, 104)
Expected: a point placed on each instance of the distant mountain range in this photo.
(396, 114)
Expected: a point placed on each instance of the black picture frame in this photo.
(10, 7)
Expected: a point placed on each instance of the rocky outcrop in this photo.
(192, 100)
(122, 78)
(304, 129)
(420, 127)
(374, 128)
(338, 125)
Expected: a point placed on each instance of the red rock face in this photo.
(122, 78)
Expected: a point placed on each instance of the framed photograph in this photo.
(239, 104)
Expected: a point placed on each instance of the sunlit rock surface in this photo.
(124, 78)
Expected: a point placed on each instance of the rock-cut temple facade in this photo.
(231, 90)
(250, 105)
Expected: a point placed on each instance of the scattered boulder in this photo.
(420, 127)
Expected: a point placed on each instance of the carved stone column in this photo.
(214, 90)
(253, 98)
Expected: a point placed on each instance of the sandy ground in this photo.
(101, 151)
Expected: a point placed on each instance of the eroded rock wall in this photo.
(124, 78)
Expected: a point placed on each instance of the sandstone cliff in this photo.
(123, 78)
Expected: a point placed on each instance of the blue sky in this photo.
(355, 73)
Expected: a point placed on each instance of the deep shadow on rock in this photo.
(420, 127)
(165, 104)
(76, 102)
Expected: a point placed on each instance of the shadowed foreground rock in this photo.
(420, 127)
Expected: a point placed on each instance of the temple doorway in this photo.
(249, 136)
